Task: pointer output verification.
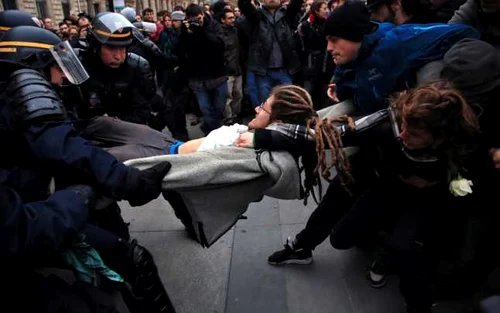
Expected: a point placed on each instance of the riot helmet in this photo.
(37, 48)
(109, 28)
(13, 18)
(129, 14)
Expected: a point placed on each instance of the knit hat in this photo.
(350, 21)
(177, 16)
(473, 66)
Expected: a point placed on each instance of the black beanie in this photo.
(350, 21)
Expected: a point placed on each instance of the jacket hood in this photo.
(474, 67)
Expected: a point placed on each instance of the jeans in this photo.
(234, 96)
(253, 93)
(273, 78)
(212, 104)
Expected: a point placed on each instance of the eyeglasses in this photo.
(421, 155)
(261, 107)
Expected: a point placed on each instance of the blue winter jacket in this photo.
(389, 58)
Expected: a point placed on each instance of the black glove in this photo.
(87, 193)
(145, 186)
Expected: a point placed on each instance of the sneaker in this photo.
(290, 255)
(376, 277)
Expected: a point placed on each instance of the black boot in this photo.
(147, 293)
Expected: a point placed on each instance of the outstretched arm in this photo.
(38, 228)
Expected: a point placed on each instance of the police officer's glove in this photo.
(145, 186)
(87, 194)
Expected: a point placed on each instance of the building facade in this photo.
(58, 9)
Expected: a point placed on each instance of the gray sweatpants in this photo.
(126, 140)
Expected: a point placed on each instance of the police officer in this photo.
(13, 18)
(114, 107)
(121, 84)
(43, 144)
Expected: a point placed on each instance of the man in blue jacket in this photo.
(376, 60)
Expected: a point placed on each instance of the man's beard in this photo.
(272, 5)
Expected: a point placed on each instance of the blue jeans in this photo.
(212, 104)
(253, 92)
(273, 78)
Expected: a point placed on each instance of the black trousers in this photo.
(417, 221)
(336, 203)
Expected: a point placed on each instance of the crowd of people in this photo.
(411, 84)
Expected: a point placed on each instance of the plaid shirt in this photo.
(293, 131)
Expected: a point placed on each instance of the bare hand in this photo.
(331, 93)
(495, 156)
(245, 140)
(186, 24)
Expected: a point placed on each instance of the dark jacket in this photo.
(488, 24)
(169, 39)
(316, 60)
(144, 47)
(124, 92)
(203, 51)
(232, 52)
(38, 229)
(267, 26)
(389, 58)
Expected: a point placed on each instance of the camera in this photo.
(194, 22)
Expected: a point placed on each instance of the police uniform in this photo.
(116, 101)
(42, 144)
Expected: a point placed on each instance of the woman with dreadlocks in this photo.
(286, 121)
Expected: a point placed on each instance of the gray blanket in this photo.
(218, 185)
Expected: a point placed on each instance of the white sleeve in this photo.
(222, 137)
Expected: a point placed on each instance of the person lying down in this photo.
(276, 127)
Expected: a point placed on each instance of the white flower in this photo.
(460, 186)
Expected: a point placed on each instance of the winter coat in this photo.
(388, 60)
(266, 25)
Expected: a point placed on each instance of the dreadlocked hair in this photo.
(327, 130)
(293, 105)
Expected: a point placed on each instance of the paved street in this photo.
(233, 275)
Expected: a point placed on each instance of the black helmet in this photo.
(28, 46)
(13, 18)
(373, 4)
(37, 48)
(111, 29)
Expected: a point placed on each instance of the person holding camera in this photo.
(201, 49)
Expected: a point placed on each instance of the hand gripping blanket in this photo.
(218, 185)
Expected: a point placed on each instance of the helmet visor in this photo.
(113, 29)
(69, 63)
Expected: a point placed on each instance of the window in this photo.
(41, 8)
(111, 6)
(65, 8)
(9, 4)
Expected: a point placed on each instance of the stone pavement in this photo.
(233, 275)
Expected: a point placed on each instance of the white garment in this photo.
(224, 136)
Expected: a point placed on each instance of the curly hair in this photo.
(293, 104)
(445, 113)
